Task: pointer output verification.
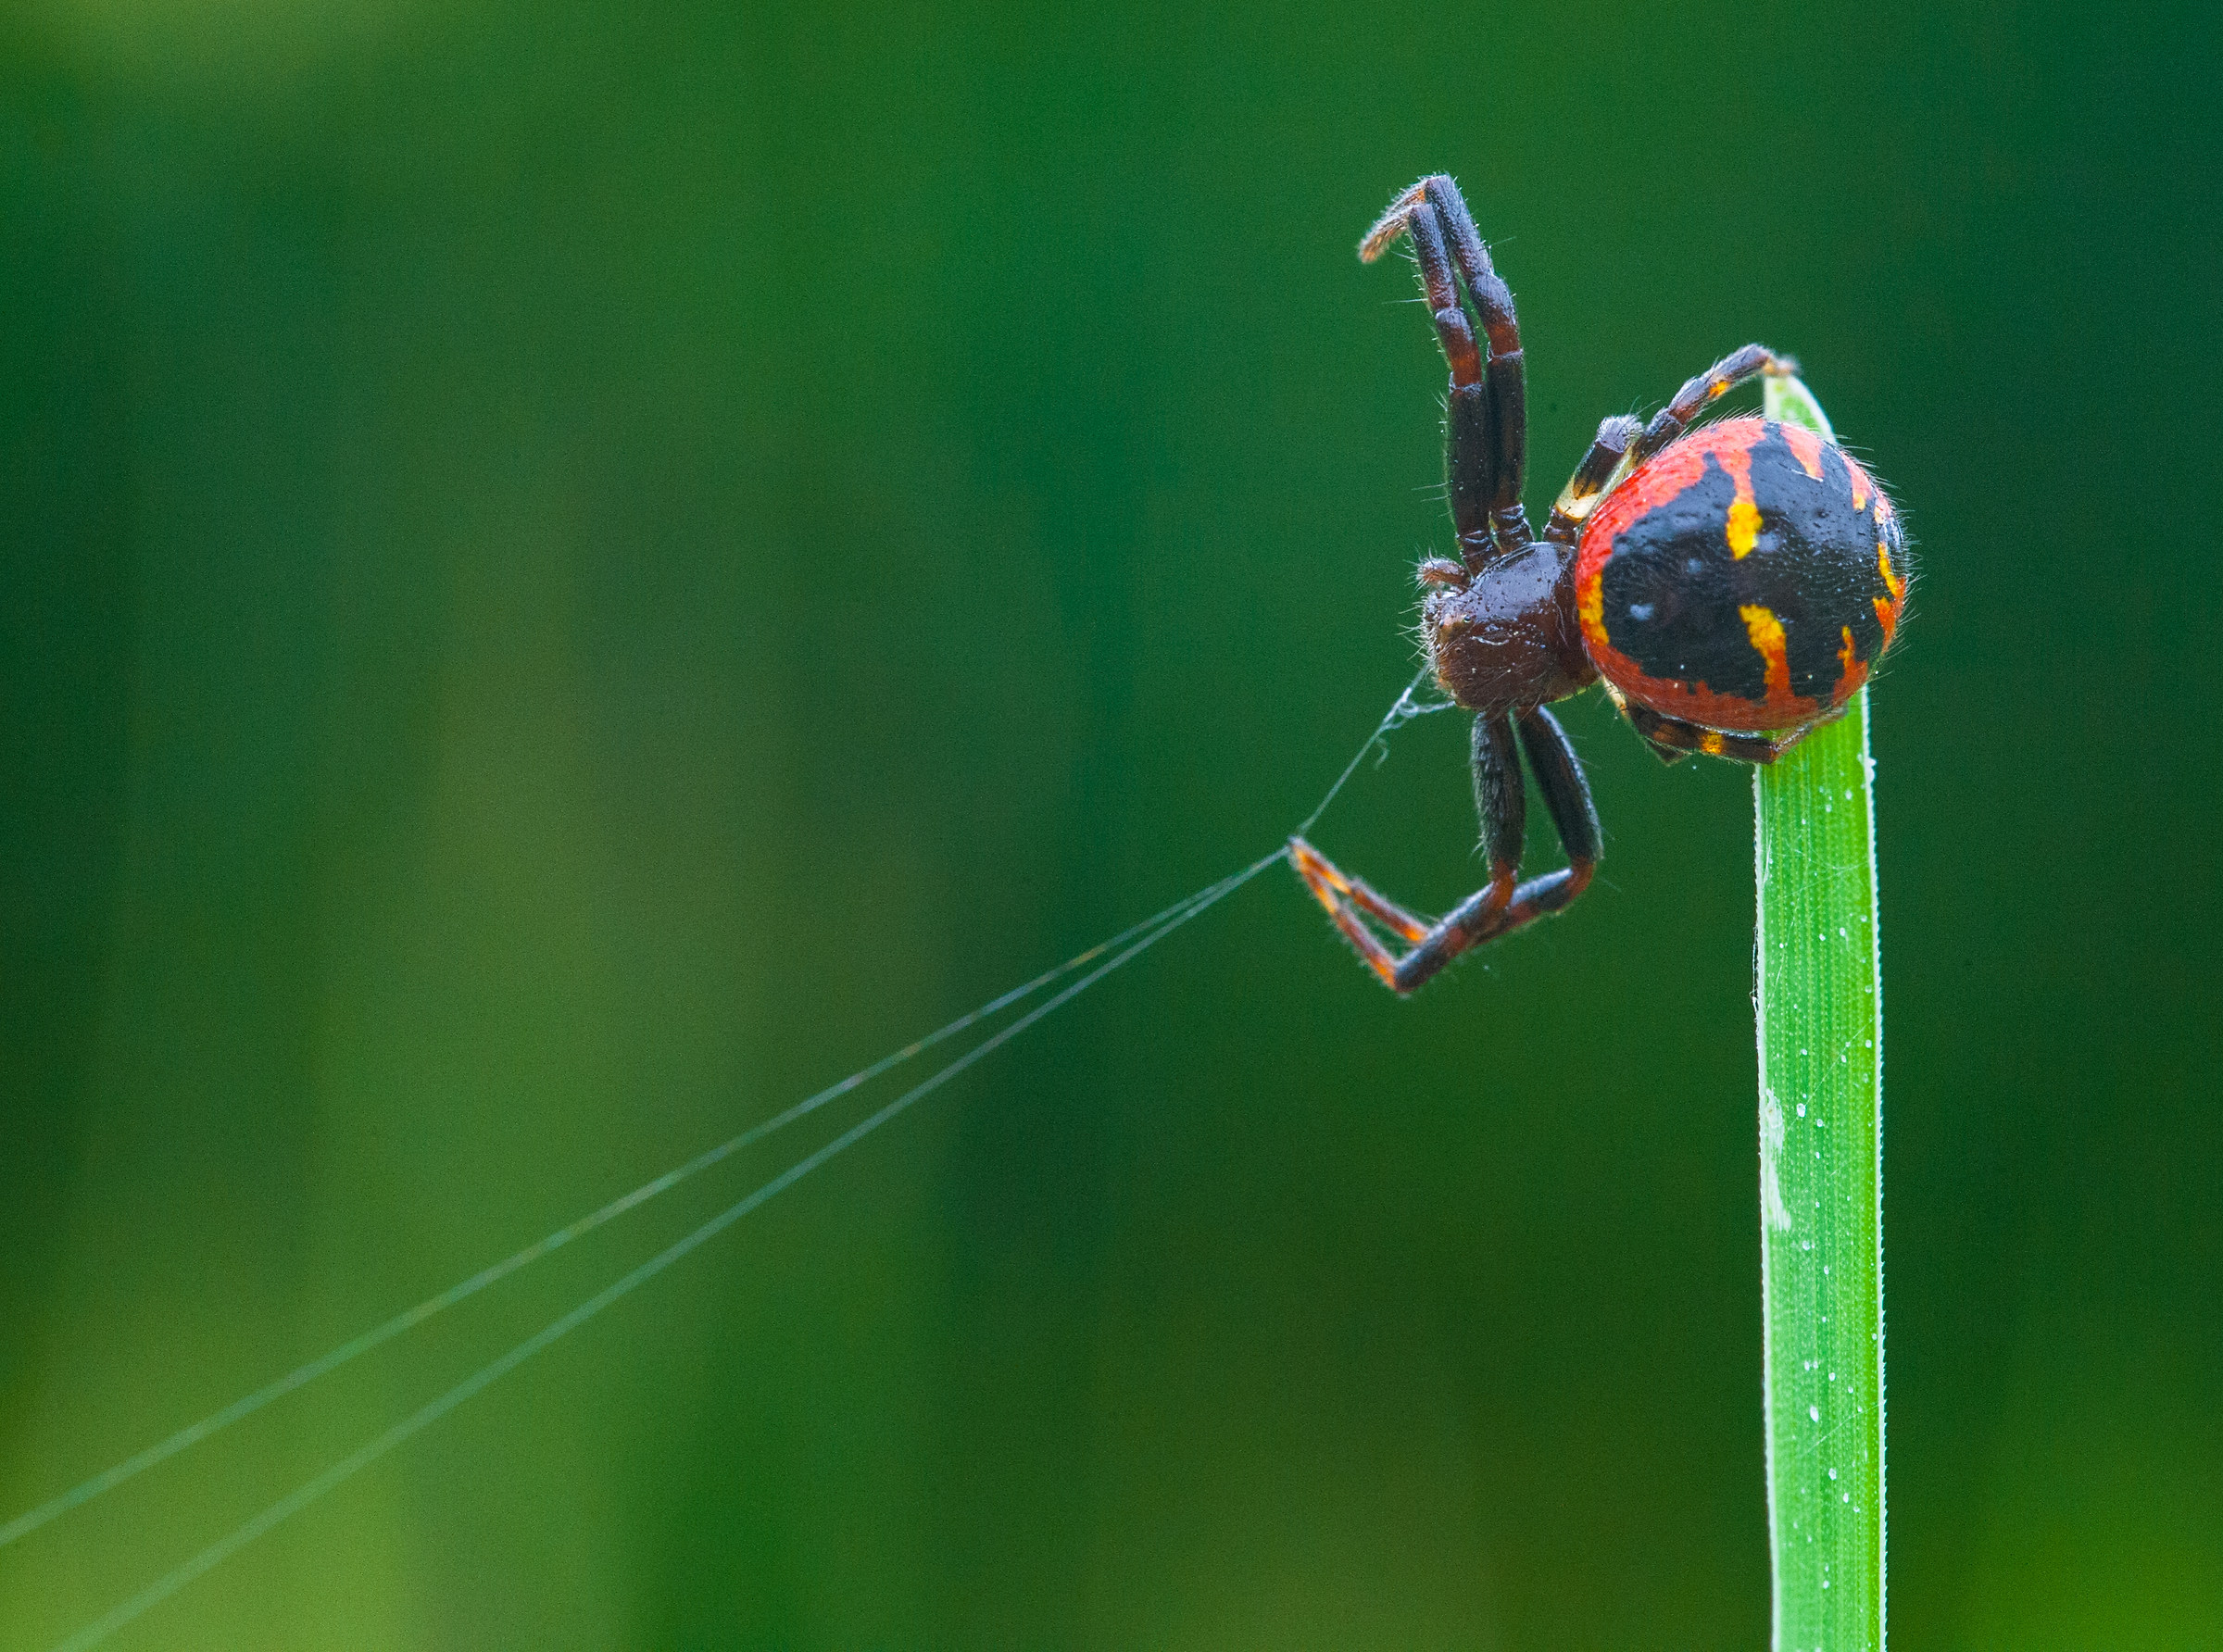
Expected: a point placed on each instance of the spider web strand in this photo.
(1123, 947)
(301, 1375)
(363, 1456)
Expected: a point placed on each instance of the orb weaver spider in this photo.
(1730, 584)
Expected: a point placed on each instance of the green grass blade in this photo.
(1820, 1009)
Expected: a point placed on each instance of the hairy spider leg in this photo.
(1501, 906)
(1506, 374)
(1339, 892)
(1574, 815)
(1486, 421)
(1468, 451)
(1672, 739)
(1707, 388)
(1502, 803)
(1606, 463)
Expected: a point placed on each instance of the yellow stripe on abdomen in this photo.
(1768, 641)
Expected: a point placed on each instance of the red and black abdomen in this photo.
(1746, 578)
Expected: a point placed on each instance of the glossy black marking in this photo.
(1672, 590)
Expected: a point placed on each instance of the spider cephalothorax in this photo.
(1732, 585)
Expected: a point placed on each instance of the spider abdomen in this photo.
(1746, 578)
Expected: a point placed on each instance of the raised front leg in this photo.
(1486, 421)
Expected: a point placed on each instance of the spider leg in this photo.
(1337, 891)
(1605, 465)
(1672, 738)
(1558, 776)
(1708, 387)
(1567, 795)
(1486, 421)
(1492, 910)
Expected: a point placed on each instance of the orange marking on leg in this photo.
(1326, 883)
(1375, 954)
(1460, 349)
(1385, 911)
(1318, 871)
(1391, 224)
(1339, 893)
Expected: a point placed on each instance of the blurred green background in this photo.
(574, 573)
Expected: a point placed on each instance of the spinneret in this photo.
(1733, 585)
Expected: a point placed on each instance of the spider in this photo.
(1731, 586)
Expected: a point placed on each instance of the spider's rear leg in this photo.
(1671, 737)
